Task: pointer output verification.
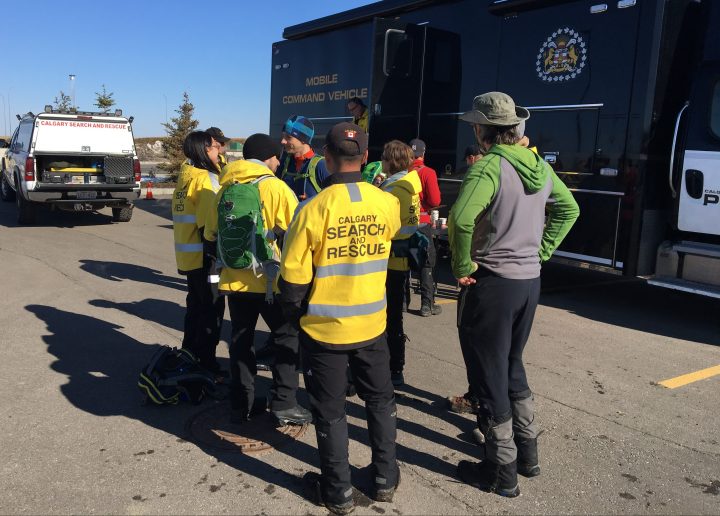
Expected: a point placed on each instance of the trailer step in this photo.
(697, 249)
(684, 285)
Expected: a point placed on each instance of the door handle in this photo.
(694, 183)
(377, 109)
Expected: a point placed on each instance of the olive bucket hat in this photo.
(495, 108)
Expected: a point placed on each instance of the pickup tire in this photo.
(25, 210)
(123, 214)
(7, 194)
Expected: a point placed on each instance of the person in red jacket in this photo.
(429, 200)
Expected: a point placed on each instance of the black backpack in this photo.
(173, 375)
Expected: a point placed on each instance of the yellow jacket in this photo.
(406, 187)
(278, 205)
(363, 121)
(337, 248)
(194, 193)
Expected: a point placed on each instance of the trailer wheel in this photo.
(25, 210)
(7, 194)
(123, 214)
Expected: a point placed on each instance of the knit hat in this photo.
(347, 139)
(261, 147)
(418, 147)
(300, 128)
(217, 135)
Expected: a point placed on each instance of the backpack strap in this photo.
(312, 172)
(285, 166)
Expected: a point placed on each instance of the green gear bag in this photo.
(242, 242)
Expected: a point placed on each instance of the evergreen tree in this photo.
(104, 100)
(63, 103)
(177, 129)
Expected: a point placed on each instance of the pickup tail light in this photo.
(30, 169)
(136, 169)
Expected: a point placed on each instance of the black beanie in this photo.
(261, 147)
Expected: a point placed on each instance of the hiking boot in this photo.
(296, 415)
(381, 493)
(397, 378)
(239, 416)
(527, 457)
(427, 309)
(312, 481)
(487, 476)
(479, 438)
(351, 390)
(464, 404)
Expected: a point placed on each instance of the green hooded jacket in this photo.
(480, 188)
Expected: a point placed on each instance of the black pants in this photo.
(395, 293)
(326, 382)
(244, 311)
(203, 318)
(495, 318)
(427, 271)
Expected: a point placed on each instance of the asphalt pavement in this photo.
(85, 300)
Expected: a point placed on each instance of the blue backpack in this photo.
(173, 375)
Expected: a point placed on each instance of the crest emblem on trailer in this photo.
(562, 56)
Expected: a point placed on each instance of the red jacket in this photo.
(430, 195)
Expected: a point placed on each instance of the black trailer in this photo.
(624, 99)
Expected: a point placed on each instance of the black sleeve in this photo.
(293, 300)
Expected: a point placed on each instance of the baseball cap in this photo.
(495, 108)
(217, 135)
(347, 139)
(418, 147)
(261, 146)
(300, 128)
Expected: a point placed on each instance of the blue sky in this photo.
(147, 51)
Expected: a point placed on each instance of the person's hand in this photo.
(466, 281)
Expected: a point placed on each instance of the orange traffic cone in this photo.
(148, 192)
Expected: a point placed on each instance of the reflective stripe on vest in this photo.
(346, 311)
(215, 181)
(185, 219)
(189, 248)
(350, 269)
(354, 191)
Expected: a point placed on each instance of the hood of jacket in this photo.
(532, 169)
(244, 170)
(408, 181)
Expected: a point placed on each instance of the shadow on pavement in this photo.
(115, 271)
(56, 218)
(631, 303)
(102, 364)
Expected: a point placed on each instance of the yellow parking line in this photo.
(685, 379)
(444, 301)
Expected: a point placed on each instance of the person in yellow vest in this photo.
(357, 108)
(251, 292)
(195, 191)
(300, 167)
(219, 137)
(403, 183)
(332, 278)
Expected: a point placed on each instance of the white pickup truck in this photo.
(77, 161)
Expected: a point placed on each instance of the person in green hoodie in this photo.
(499, 237)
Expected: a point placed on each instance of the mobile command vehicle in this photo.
(79, 161)
(624, 98)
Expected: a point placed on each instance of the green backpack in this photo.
(242, 238)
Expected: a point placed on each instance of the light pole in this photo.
(72, 89)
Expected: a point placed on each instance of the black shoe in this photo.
(527, 457)
(426, 310)
(382, 493)
(312, 481)
(239, 416)
(488, 476)
(351, 390)
(296, 415)
(397, 378)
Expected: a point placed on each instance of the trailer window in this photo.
(397, 61)
(715, 110)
